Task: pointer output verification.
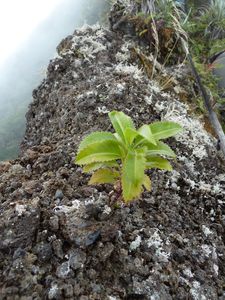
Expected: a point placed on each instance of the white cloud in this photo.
(18, 19)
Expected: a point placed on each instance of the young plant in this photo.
(122, 157)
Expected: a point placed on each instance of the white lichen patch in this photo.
(216, 269)
(178, 89)
(103, 110)
(107, 210)
(86, 27)
(196, 291)
(206, 250)
(154, 87)
(160, 106)
(89, 45)
(148, 99)
(217, 189)
(205, 187)
(215, 260)
(172, 182)
(194, 135)
(120, 87)
(20, 209)
(90, 200)
(190, 164)
(136, 243)
(192, 183)
(121, 57)
(221, 177)
(53, 292)
(206, 230)
(162, 255)
(156, 242)
(187, 272)
(112, 298)
(155, 296)
(76, 204)
(124, 69)
(124, 54)
(75, 75)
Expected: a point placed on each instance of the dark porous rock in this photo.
(59, 194)
(19, 253)
(109, 232)
(18, 230)
(64, 271)
(77, 259)
(4, 166)
(32, 186)
(63, 239)
(106, 251)
(179, 255)
(77, 230)
(68, 291)
(44, 251)
(54, 223)
(57, 246)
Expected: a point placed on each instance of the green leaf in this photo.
(98, 165)
(94, 137)
(137, 150)
(139, 141)
(160, 149)
(120, 122)
(143, 32)
(99, 152)
(130, 135)
(117, 136)
(104, 176)
(164, 129)
(133, 174)
(146, 132)
(159, 163)
(147, 182)
(123, 147)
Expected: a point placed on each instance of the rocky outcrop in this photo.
(60, 238)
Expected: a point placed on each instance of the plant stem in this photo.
(206, 97)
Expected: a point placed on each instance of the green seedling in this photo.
(121, 158)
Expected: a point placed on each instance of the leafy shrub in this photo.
(206, 29)
(124, 156)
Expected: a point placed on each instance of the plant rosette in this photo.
(121, 158)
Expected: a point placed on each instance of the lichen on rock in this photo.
(60, 238)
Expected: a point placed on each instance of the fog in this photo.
(24, 69)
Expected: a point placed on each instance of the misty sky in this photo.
(29, 36)
(18, 18)
(30, 31)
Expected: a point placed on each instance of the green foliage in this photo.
(156, 23)
(206, 29)
(125, 155)
(214, 17)
(209, 81)
(165, 11)
(158, 9)
(217, 46)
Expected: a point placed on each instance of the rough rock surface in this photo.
(60, 239)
